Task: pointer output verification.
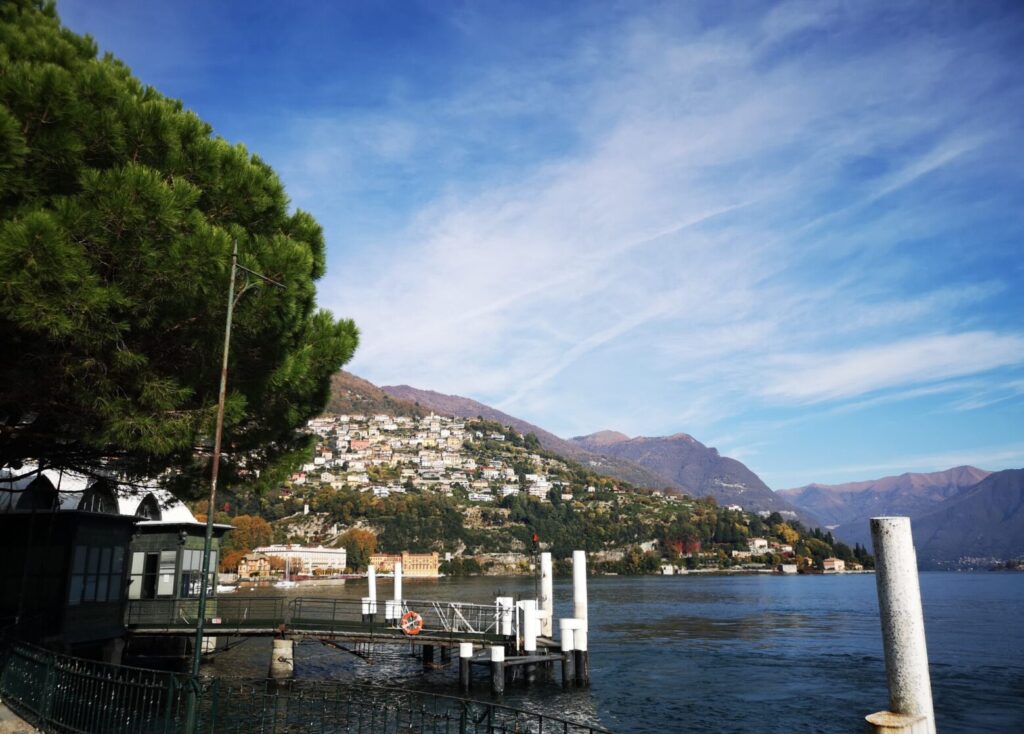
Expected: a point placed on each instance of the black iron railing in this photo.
(65, 694)
(58, 693)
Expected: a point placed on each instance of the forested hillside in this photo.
(628, 530)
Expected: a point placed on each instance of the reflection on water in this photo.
(722, 653)
(753, 627)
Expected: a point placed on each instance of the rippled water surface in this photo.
(726, 653)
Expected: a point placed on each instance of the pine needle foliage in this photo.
(118, 209)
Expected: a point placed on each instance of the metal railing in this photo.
(65, 694)
(222, 615)
(440, 619)
(58, 693)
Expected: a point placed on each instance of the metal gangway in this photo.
(441, 621)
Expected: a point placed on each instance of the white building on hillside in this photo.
(307, 558)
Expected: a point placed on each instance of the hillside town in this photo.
(387, 455)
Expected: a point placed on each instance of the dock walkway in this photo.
(439, 623)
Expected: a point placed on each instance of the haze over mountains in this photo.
(958, 515)
(985, 521)
(846, 508)
(964, 512)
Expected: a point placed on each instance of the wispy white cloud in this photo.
(653, 217)
(724, 224)
(829, 376)
(989, 395)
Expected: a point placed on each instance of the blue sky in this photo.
(791, 230)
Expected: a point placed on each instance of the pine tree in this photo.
(118, 209)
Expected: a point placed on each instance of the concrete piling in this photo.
(547, 598)
(565, 632)
(505, 611)
(498, 670)
(530, 628)
(282, 660)
(579, 601)
(465, 673)
(529, 607)
(393, 606)
(903, 638)
(370, 600)
(579, 584)
(581, 654)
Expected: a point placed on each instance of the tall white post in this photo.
(529, 625)
(393, 607)
(547, 597)
(370, 601)
(579, 585)
(565, 630)
(506, 609)
(579, 599)
(906, 653)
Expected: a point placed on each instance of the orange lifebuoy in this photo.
(411, 623)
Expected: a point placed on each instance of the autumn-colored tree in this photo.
(230, 560)
(359, 545)
(249, 532)
(785, 533)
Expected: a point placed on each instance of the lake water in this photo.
(727, 653)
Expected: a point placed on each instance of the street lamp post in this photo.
(214, 471)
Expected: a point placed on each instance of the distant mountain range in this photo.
(685, 463)
(846, 508)
(964, 512)
(985, 521)
(957, 515)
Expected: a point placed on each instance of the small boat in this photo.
(226, 589)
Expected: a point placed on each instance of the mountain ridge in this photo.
(985, 522)
(846, 508)
(694, 468)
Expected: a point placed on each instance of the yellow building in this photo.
(414, 565)
(253, 564)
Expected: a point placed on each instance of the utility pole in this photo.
(197, 650)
